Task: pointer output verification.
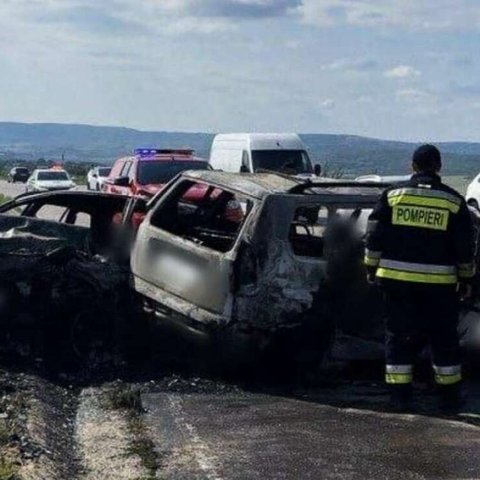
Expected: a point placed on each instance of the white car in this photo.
(384, 179)
(473, 192)
(43, 180)
(96, 176)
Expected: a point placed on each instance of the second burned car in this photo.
(273, 277)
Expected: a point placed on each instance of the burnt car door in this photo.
(186, 248)
(296, 262)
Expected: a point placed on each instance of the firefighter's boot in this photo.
(451, 398)
(401, 398)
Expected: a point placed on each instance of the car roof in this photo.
(164, 157)
(383, 178)
(84, 200)
(261, 184)
(264, 141)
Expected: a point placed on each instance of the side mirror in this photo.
(473, 203)
(121, 181)
(317, 169)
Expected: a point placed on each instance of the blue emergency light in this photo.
(146, 152)
(152, 152)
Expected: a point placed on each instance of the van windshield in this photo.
(153, 172)
(286, 161)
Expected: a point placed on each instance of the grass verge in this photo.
(8, 462)
(4, 198)
(129, 400)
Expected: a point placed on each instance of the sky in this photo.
(394, 69)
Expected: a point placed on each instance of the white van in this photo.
(253, 152)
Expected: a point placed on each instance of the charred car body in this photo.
(251, 265)
(63, 280)
(279, 278)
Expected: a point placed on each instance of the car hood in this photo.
(55, 183)
(150, 189)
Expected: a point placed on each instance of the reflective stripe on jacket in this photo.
(421, 232)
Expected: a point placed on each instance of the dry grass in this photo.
(128, 399)
(8, 464)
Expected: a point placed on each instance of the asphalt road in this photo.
(257, 436)
(14, 189)
(11, 189)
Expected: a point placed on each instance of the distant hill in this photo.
(353, 154)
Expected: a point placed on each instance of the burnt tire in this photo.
(88, 335)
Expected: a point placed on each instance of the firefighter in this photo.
(420, 250)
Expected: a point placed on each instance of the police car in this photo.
(43, 180)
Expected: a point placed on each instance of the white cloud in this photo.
(226, 8)
(413, 95)
(402, 71)
(349, 64)
(327, 104)
(365, 99)
(293, 44)
(405, 14)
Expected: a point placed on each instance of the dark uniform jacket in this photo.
(421, 232)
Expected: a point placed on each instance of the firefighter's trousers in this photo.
(417, 315)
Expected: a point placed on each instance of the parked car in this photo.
(18, 174)
(43, 180)
(148, 170)
(473, 192)
(252, 152)
(96, 176)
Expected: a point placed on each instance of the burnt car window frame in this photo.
(332, 203)
(289, 241)
(172, 190)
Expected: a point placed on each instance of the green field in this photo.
(458, 182)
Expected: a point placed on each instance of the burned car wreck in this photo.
(238, 268)
(63, 282)
(264, 261)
